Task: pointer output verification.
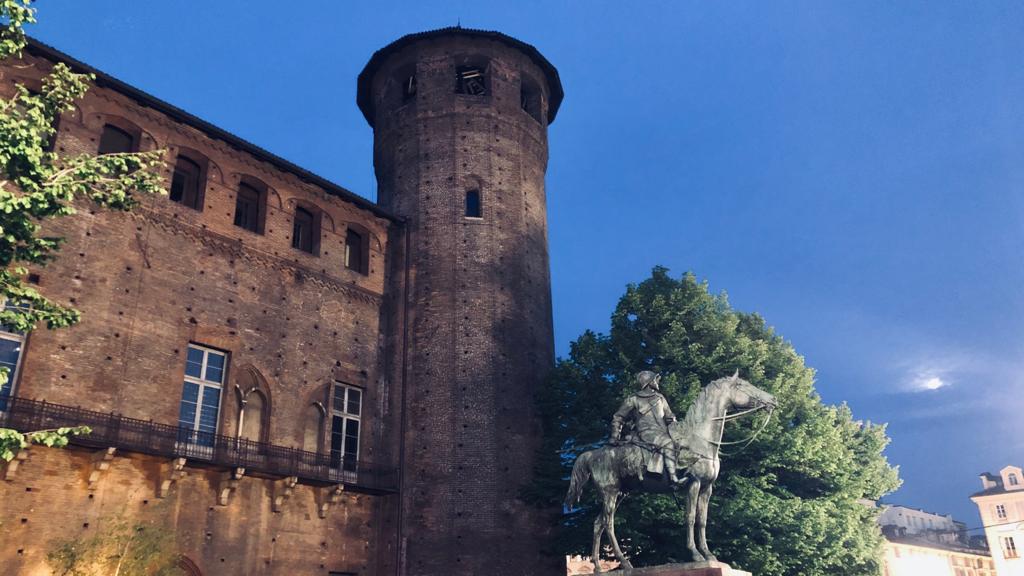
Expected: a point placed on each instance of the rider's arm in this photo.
(669, 416)
(620, 415)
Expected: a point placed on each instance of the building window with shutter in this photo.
(187, 183)
(116, 140)
(1009, 547)
(199, 411)
(346, 411)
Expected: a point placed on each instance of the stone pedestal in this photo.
(687, 569)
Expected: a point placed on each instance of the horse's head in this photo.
(743, 395)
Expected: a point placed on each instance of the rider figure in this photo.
(651, 415)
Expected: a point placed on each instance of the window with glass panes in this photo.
(200, 397)
(1001, 511)
(11, 344)
(1009, 547)
(346, 407)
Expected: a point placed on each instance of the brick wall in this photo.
(479, 324)
(150, 282)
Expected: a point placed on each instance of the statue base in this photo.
(686, 569)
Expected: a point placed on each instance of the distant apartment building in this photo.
(920, 543)
(1001, 505)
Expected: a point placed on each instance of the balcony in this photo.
(199, 448)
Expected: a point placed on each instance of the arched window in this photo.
(473, 205)
(115, 140)
(187, 183)
(355, 251)
(251, 205)
(305, 231)
(1013, 479)
(252, 419)
(313, 425)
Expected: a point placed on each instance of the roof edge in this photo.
(107, 81)
(365, 80)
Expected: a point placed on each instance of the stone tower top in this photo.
(364, 94)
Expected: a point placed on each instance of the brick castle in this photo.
(291, 378)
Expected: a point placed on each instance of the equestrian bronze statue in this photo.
(665, 455)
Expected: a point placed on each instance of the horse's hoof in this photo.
(698, 557)
(626, 565)
(711, 558)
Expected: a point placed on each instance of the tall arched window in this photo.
(251, 206)
(187, 183)
(305, 231)
(313, 425)
(355, 251)
(474, 209)
(253, 417)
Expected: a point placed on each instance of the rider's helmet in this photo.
(648, 379)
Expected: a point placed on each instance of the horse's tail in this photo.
(579, 478)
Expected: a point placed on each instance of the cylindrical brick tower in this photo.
(460, 123)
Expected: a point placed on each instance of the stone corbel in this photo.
(170, 473)
(325, 497)
(100, 463)
(228, 483)
(282, 491)
(11, 468)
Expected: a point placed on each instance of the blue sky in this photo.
(851, 170)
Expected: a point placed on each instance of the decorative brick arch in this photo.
(250, 383)
(188, 567)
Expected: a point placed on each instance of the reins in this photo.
(749, 440)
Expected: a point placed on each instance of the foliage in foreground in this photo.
(787, 505)
(118, 548)
(37, 184)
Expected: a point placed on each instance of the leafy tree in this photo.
(38, 184)
(789, 504)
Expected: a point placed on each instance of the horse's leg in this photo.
(702, 521)
(610, 522)
(691, 516)
(595, 556)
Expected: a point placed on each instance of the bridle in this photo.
(725, 418)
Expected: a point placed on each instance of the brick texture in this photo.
(479, 322)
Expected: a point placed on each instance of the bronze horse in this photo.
(697, 437)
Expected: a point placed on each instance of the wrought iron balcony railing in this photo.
(200, 448)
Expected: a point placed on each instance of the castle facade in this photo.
(288, 377)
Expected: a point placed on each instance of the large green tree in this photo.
(37, 184)
(789, 504)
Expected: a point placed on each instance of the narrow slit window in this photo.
(248, 207)
(473, 207)
(114, 140)
(354, 251)
(186, 184)
(409, 88)
(302, 230)
(470, 80)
